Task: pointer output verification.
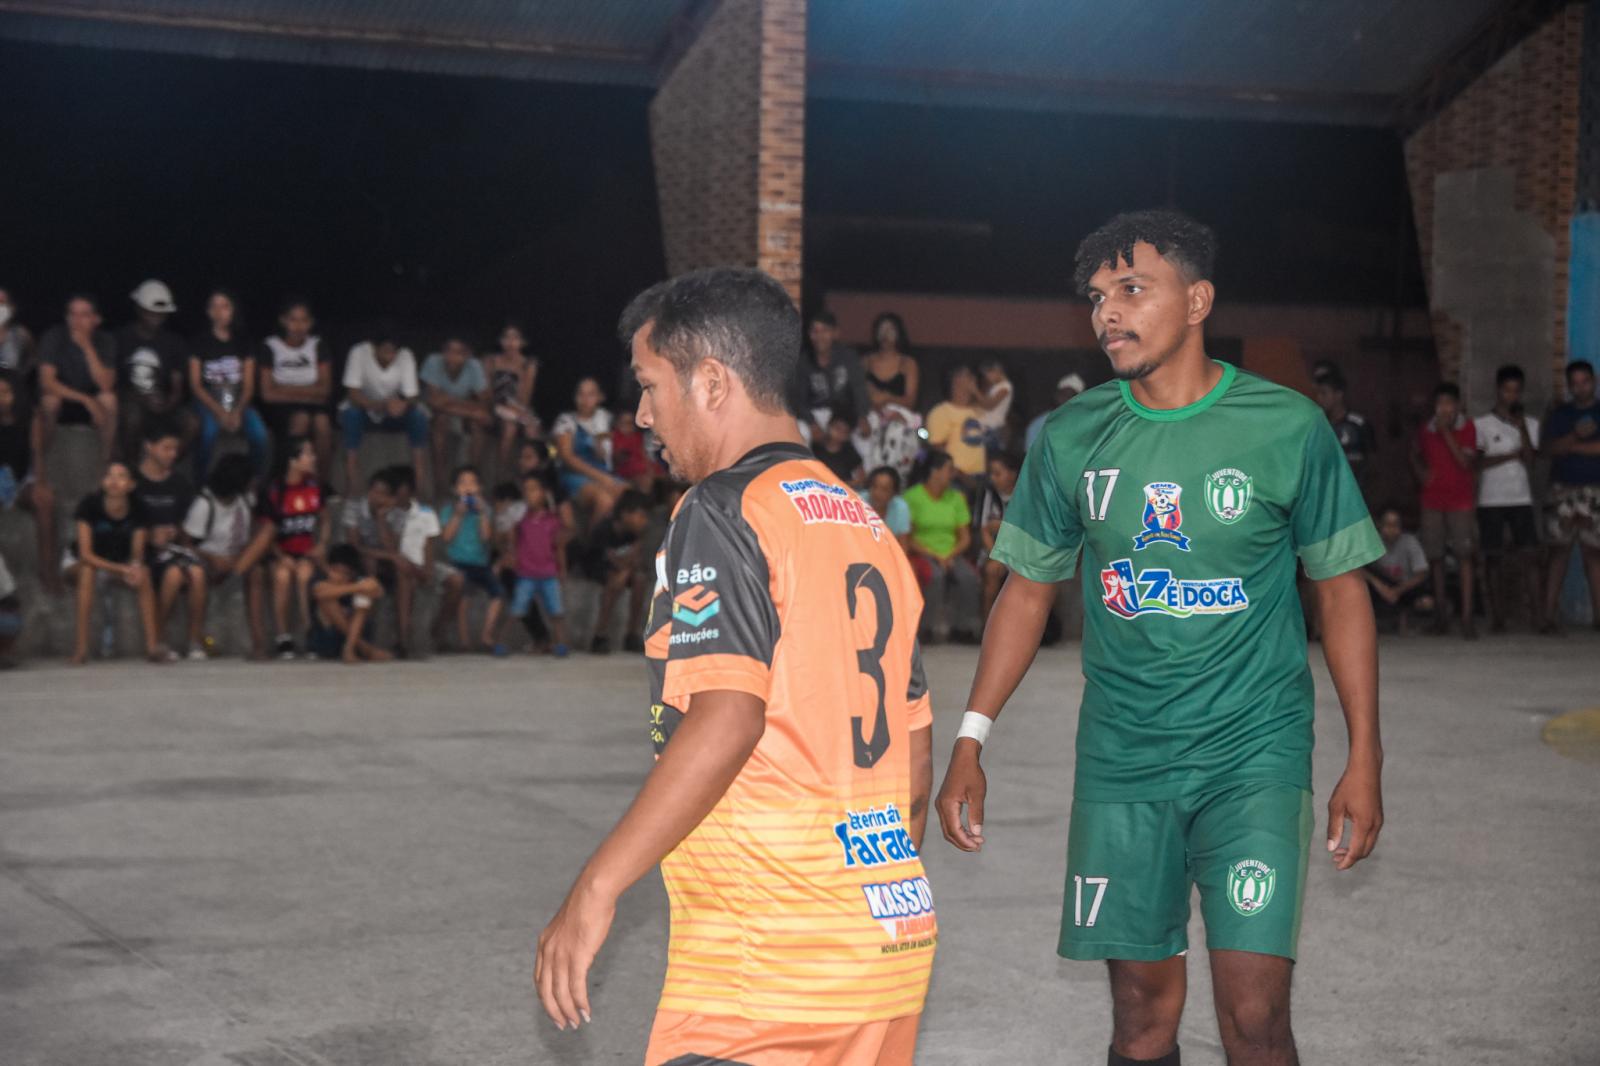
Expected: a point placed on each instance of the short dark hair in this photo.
(159, 428)
(292, 446)
(741, 317)
(401, 476)
(533, 475)
(1447, 388)
(507, 491)
(74, 297)
(384, 477)
(631, 500)
(345, 555)
(1188, 245)
(1010, 460)
(878, 472)
(1579, 366)
(231, 477)
(465, 468)
(825, 316)
(1330, 375)
(1509, 372)
(291, 302)
(933, 459)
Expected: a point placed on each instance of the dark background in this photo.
(451, 203)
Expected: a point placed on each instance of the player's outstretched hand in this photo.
(1357, 799)
(567, 948)
(964, 786)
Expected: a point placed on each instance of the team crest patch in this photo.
(1228, 494)
(1250, 885)
(1163, 515)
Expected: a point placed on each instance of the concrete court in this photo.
(312, 864)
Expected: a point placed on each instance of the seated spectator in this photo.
(1068, 386)
(541, 563)
(630, 454)
(341, 619)
(21, 478)
(1444, 457)
(16, 343)
(111, 534)
(150, 366)
(218, 529)
(459, 404)
(1396, 579)
(956, 428)
(830, 382)
(468, 535)
(382, 395)
(883, 492)
(369, 529)
(417, 527)
(1002, 482)
(582, 438)
(165, 496)
(78, 377)
(1508, 530)
(941, 533)
(294, 537)
(512, 373)
(1572, 516)
(10, 616)
(296, 383)
(892, 375)
(222, 377)
(993, 399)
(835, 452)
(612, 557)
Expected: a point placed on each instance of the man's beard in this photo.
(1134, 373)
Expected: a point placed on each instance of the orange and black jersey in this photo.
(801, 896)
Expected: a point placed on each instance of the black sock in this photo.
(1169, 1059)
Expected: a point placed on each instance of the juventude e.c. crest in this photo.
(1228, 494)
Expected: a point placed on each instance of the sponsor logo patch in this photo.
(874, 837)
(695, 606)
(1156, 591)
(903, 908)
(822, 501)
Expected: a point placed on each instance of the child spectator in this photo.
(1445, 458)
(468, 534)
(342, 616)
(630, 454)
(993, 398)
(1396, 579)
(836, 452)
(368, 528)
(613, 559)
(416, 527)
(22, 484)
(459, 403)
(112, 532)
(1002, 482)
(291, 513)
(541, 562)
(218, 528)
(297, 382)
(165, 495)
(508, 511)
(582, 438)
(883, 492)
(10, 616)
(941, 533)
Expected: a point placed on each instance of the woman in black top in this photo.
(893, 377)
(111, 532)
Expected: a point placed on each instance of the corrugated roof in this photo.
(1327, 60)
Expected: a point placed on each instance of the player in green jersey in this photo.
(1189, 489)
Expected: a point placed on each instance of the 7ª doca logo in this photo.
(1250, 885)
(1228, 493)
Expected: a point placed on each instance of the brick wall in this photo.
(1516, 124)
(728, 141)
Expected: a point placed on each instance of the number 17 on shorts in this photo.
(1096, 888)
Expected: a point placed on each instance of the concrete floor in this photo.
(310, 864)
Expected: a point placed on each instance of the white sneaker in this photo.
(198, 655)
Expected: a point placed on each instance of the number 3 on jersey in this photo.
(1097, 512)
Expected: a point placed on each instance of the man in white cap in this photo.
(150, 364)
(1068, 387)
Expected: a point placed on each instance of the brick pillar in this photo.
(1493, 182)
(727, 132)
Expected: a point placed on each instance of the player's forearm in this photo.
(1350, 645)
(706, 753)
(1010, 641)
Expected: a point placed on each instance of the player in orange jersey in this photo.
(790, 717)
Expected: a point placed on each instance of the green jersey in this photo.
(1189, 521)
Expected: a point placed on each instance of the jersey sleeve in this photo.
(724, 624)
(919, 705)
(1333, 533)
(1041, 532)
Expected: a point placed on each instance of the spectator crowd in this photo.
(218, 460)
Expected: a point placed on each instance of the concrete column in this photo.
(727, 131)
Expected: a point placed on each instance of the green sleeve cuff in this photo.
(1351, 548)
(1021, 554)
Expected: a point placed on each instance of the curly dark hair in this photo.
(1188, 245)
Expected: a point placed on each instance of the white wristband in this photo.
(976, 726)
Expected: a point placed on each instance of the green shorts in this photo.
(1131, 866)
